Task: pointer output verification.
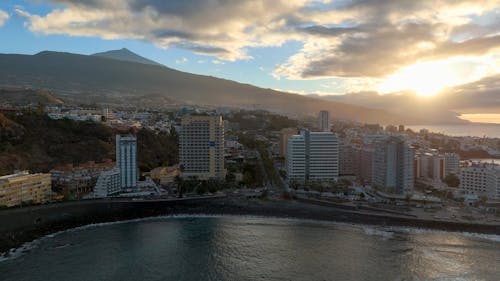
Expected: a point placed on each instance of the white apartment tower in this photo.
(126, 160)
(201, 151)
(392, 166)
(313, 156)
(482, 180)
(324, 121)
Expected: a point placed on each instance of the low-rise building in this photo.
(165, 175)
(108, 184)
(78, 180)
(24, 187)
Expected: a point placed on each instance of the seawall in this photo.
(26, 224)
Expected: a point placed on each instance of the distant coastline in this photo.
(470, 129)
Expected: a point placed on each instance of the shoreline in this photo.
(31, 223)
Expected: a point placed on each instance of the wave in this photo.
(375, 231)
(19, 251)
(414, 230)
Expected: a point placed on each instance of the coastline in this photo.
(19, 226)
(490, 130)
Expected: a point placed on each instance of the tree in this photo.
(452, 180)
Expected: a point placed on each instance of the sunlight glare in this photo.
(429, 78)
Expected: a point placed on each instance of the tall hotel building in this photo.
(313, 156)
(201, 152)
(392, 167)
(324, 121)
(126, 160)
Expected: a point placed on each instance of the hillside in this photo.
(37, 143)
(21, 96)
(94, 79)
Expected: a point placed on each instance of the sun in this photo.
(429, 78)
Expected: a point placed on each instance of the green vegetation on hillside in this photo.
(37, 143)
(262, 120)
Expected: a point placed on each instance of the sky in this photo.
(322, 47)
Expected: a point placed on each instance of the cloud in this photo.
(223, 28)
(3, 17)
(218, 62)
(181, 61)
(482, 96)
(378, 37)
(361, 39)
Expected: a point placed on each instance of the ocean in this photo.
(253, 248)
(477, 130)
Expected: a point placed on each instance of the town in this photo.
(253, 153)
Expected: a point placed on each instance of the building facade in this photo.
(392, 168)
(201, 151)
(324, 121)
(452, 163)
(126, 160)
(108, 184)
(313, 157)
(430, 165)
(285, 135)
(482, 180)
(365, 165)
(78, 180)
(24, 187)
(349, 160)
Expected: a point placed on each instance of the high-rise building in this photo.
(324, 121)
(201, 152)
(313, 156)
(285, 135)
(349, 157)
(482, 180)
(452, 163)
(365, 165)
(392, 169)
(431, 165)
(24, 187)
(126, 160)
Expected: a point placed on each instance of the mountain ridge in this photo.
(94, 79)
(125, 54)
